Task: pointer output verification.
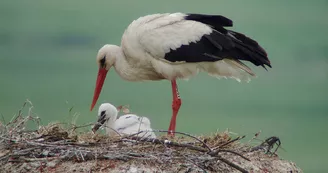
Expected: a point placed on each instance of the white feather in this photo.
(130, 124)
(127, 124)
(164, 32)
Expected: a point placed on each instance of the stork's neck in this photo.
(135, 68)
(110, 124)
(120, 59)
(122, 65)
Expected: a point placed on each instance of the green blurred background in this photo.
(48, 50)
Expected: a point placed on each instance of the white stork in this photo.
(128, 124)
(174, 46)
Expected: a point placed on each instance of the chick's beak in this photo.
(101, 120)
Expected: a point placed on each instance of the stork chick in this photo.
(128, 124)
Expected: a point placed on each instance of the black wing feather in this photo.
(219, 44)
(194, 52)
(216, 21)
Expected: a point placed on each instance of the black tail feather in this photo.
(252, 48)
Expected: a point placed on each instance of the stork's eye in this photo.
(102, 62)
(127, 117)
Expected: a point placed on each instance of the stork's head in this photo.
(106, 113)
(105, 59)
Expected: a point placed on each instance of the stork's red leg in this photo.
(176, 103)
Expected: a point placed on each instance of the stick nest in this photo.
(59, 147)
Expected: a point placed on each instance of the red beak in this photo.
(99, 84)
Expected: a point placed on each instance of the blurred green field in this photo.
(48, 50)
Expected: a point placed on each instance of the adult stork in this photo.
(176, 45)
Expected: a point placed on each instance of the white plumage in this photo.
(158, 34)
(128, 124)
(178, 46)
(132, 124)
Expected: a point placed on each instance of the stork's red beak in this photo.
(99, 84)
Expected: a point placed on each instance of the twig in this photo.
(194, 163)
(82, 156)
(186, 134)
(18, 115)
(231, 141)
(255, 136)
(77, 127)
(215, 152)
(233, 165)
(34, 159)
(97, 123)
(169, 143)
(233, 152)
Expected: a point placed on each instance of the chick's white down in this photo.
(126, 124)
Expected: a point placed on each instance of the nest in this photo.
(59, 147)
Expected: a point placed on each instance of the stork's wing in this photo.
(197, 38)
(134, 129)
(125, 122)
